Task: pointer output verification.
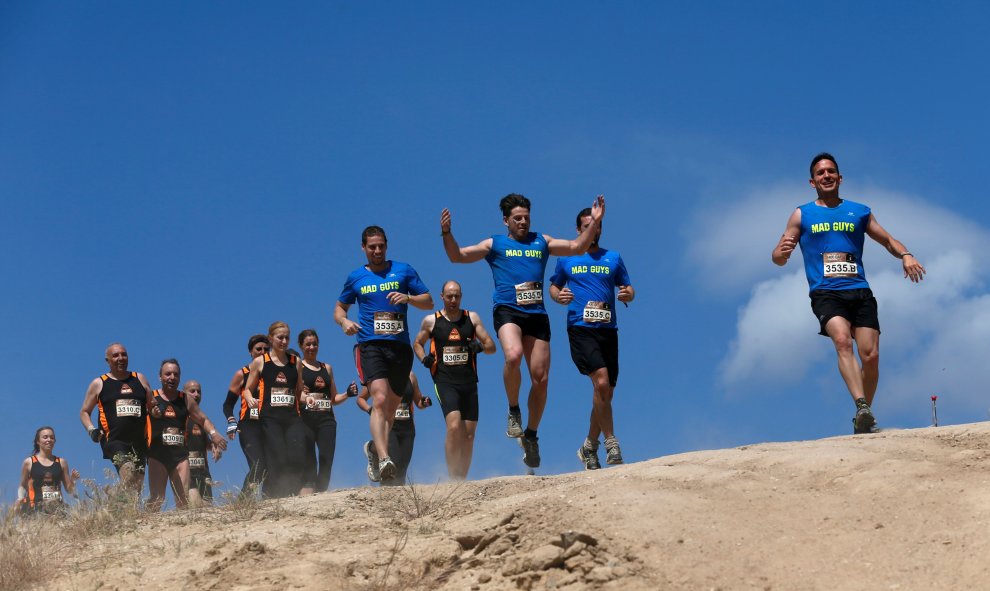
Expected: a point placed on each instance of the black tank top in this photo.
(318, 384)
(169, 431)
(196, 444)
(46, 482)
(404, 412)
(122, 408)
(278, 388)
(455, 363)
(251, 414)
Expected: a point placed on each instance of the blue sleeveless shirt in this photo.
(518, 269)
(832, 245)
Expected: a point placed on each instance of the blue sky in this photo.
(176, 176)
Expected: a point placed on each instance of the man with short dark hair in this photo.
(592, 330)
(384, 290)
(518, 260)
(831, 231)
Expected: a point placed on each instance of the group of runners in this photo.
(286, 423)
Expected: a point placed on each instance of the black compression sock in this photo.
(515, 410)
(530, 434)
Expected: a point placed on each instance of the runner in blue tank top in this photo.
(384, 290)
(593, 278)
(518, 261)
(831, 233)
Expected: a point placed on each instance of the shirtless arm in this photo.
(481, 334)
(234, 392)
(362, 400)
(89, 403)
(200, 418)
(626, 294)
(560, 247)
(418, 399)
(251, 383)
(22, 489)
(912, 268)
(561, 295)
(425, 329)
(455, 253)
(70, 478)
(350, 327)
(788, 242)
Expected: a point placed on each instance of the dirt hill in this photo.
(897, 510)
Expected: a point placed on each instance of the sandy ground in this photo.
(897, 510)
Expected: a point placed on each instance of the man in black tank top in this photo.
(456, 337)
(121, 397)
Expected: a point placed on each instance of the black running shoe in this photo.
(864, 421)
(589, 457)
(613, 455)
(531, 452)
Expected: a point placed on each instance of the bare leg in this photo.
(467, 451)
(180, 484)
(868, 344)
(839, 329)
(537, 355)
(382, 414)
(459, 445)
(157, 477)
(601, 410)
(195, 499)
(454, 444)
(131, 476)
(510, 337)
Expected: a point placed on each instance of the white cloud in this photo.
(935, 334)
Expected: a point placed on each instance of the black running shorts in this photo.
(532, 325)
(121, 452)
(858, 306)
(459, 397)
(391, 360)
(595, 348)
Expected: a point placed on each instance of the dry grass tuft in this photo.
(31, 546)
(440, 504)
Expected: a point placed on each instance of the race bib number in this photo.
(196, 460)
(281, 397)
(50, 493)
(128, 408)
(840, 264)
(172, 436)
(253, 414)
(402, 413)
(596, 312)
(322, 405)
(530, 292)
(455, 355)
(389, 323)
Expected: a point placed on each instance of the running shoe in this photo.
(874, 429)
(531, 452)
(386, 468)
(514, 426)
(369, 451)
(864, 421)
(589, 457)
(613, 455)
